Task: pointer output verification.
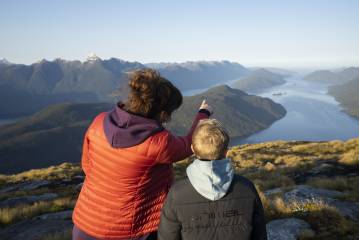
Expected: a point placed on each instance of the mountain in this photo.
(4, 61)
(280, 71)
(259, 80)
(242, 114)
(347, 95)
(201, 74)
(339, 77)
(28, 88)
(55, 134)
(324, 76)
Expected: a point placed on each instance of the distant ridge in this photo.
(200, 74)
(340, 77)
(258, 80)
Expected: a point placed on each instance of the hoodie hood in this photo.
(211, 179)
(123, 129)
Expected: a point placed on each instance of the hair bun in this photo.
(140, 82)
(150, 95)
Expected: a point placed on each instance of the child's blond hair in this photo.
(210, 140)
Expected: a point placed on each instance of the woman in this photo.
(127, 159)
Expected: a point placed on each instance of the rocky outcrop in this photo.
(305, 193)
(11, 202)
(63, 215)
(286, 229)
(31, 185)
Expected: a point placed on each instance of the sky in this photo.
(278, 33)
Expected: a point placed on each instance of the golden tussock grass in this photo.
(10, 215)
(63, 171)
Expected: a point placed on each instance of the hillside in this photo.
(259, 80)
(241, 113)
(309, 191)
(56, 133)
(326, 76)
(347, 95)
(53, 134)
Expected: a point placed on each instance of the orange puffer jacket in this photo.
(125, 188)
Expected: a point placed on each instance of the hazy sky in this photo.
(292, 33)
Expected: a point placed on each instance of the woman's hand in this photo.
(205, 106)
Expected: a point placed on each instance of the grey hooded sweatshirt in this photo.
(211, 179)
(212, 203)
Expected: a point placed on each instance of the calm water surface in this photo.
(312, 114)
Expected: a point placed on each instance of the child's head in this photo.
(210, 140)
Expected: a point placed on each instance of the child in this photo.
(213, 202)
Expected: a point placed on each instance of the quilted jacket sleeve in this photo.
(176, 148)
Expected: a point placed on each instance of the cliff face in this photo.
(308, 189)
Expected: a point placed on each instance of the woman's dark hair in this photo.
(152, 96)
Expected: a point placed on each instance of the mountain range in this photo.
(333, 77)
(55, 134)
(28, 88)
(200, 74)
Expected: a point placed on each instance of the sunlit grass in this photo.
(63, 171)
(10, 215)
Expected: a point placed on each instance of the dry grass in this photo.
(63, 171)
(11, 215)
(64, 235)
(329, 224)
(351, 157)
(293, 154)
(348, 185)
(265, 180)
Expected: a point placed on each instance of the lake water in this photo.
(312, 115)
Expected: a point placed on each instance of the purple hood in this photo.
(123, 129)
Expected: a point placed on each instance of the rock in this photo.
(80, 177)
(27, 200)
(273, 191)
(286, 229)
(64, 215)
(34, 229)
(25, 186)
(348, 209)
(79, 186)
(303, 193)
